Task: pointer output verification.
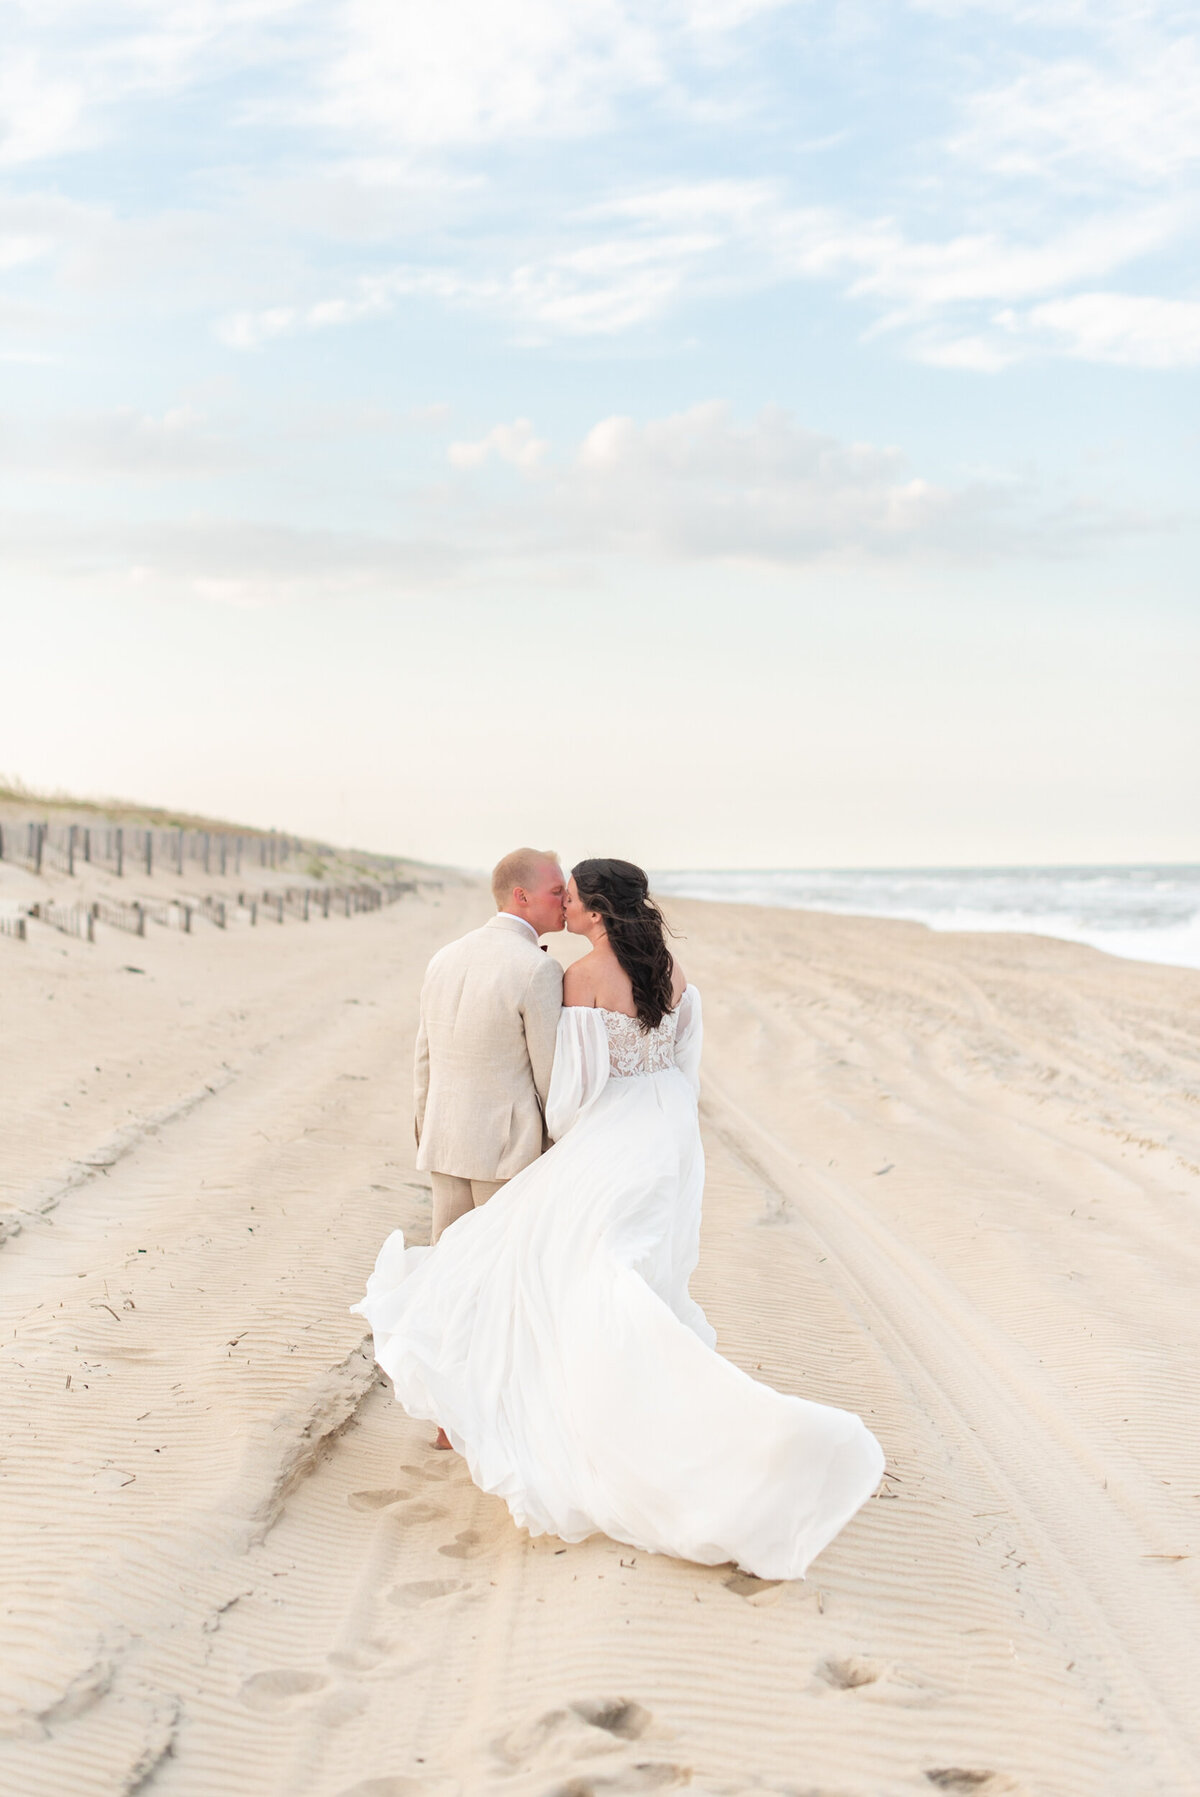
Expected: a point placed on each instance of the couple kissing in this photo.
(548, 1330)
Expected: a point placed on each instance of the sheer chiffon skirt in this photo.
(552, 1336)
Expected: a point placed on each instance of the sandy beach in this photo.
(953, 1185)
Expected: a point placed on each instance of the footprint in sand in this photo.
(400, 1786)
(878, 1681)
(558, 1741)
(468, 1544)
(364, 1656)
(850, 1674)
(280, 1690)
(615, 1715)
(759, 1592)
(427, 1591)
(963, 1780)
(416, 1509)
(343, 1706)
(418, 1512)
(437, 1470)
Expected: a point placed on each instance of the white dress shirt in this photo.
(521, 920)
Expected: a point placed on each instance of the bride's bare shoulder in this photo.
(579, 983)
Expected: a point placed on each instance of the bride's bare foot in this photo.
(443, 1441)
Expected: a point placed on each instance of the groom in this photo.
(489, 1015)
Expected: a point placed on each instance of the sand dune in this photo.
(953, 1184)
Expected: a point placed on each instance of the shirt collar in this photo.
(523, 921)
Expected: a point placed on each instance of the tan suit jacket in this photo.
(489, 1016)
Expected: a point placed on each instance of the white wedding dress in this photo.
(552, 1336)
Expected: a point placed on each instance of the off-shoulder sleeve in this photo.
(580, 1068)
(689, 1037)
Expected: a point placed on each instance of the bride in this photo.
(551, 1333)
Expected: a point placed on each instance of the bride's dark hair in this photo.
(636, 930)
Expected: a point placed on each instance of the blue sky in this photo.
(723, 433)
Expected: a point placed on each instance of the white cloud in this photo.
(473, 72)
(40, 115)
(1132, 329)
(70, 67)
(1127, 330)
(724, 238)
(513, 443)
(924, 277)
(598, 289)
(16, 249)
(224, 561)
(701, 484)
(1138, 119)
(120, 443)
(248, 330)
(728, 203)
(693, 487)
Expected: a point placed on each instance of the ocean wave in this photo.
(1140, 913)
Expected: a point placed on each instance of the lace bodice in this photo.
(595, 1046)
(632, 1050)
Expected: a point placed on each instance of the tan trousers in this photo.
(454, 1197)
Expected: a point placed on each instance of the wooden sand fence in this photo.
(307, 902)
(119, 916)
(122, 849)
(134, 852)
(71, 920)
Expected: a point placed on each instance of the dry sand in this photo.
(953, 1183)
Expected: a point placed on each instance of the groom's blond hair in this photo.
(520, 868)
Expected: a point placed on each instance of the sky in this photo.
(722, 433)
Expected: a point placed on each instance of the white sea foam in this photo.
(1142, 913)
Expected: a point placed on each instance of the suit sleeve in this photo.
(420, 1077)
(540, 1012)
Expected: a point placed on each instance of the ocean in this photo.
(1143, 912)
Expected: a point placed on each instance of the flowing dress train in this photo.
(552, 1335)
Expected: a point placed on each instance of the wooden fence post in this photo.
(149, 852)
(179, 852)
(224, 851)
(206, 849)
(120, 835)
(70, 849)
(237, 856)
(87, 843)
(279, 902)
(325, 898)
